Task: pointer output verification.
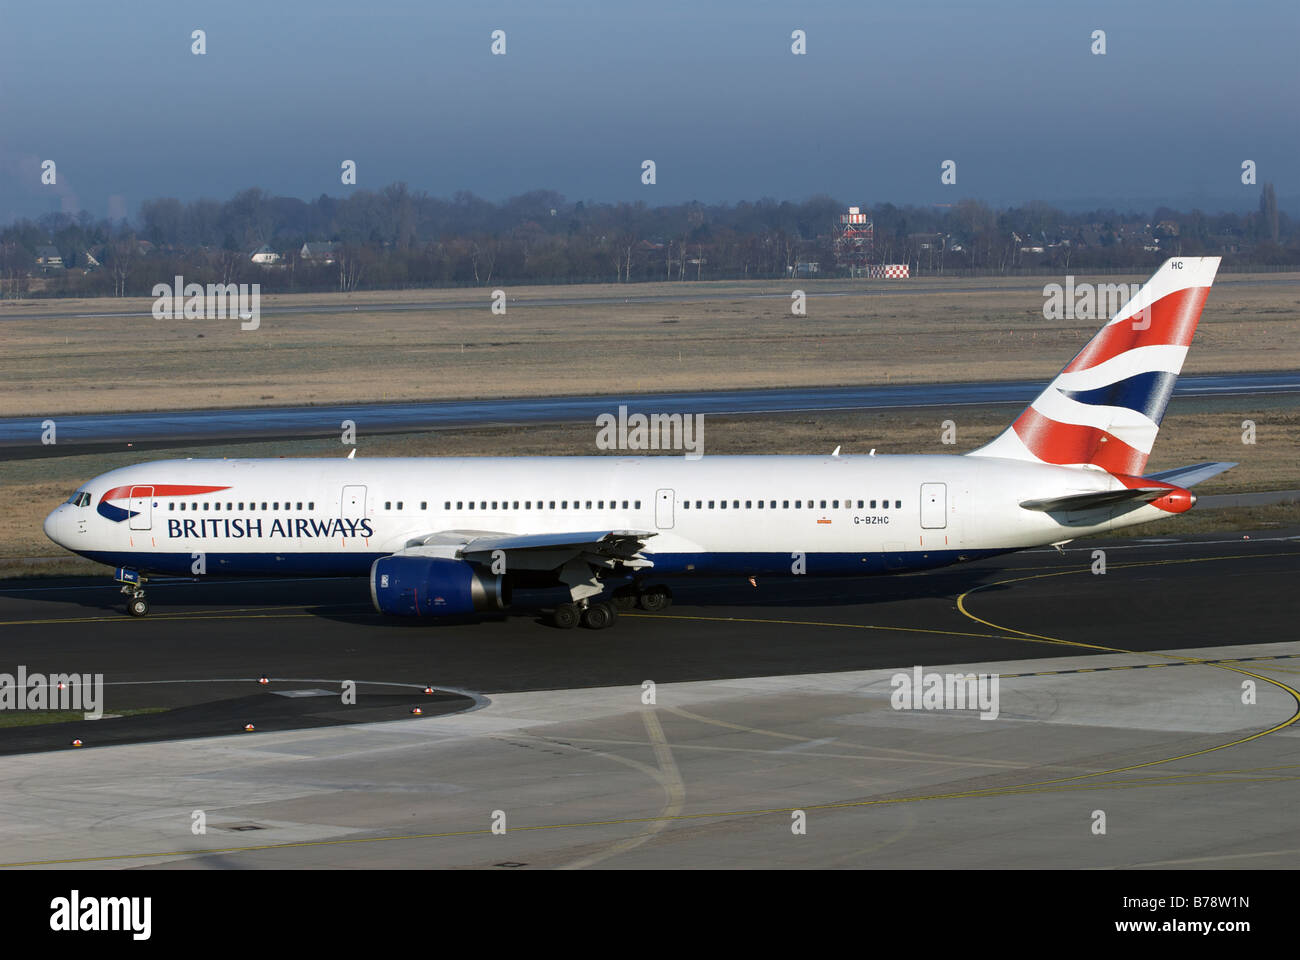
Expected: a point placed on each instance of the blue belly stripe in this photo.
(666, 564)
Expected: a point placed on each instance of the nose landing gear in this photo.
(133, 589)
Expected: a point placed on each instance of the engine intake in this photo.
(434, 587)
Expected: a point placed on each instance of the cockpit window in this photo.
(80, 499)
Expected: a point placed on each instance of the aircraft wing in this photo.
(537, 551)
(1187, 476)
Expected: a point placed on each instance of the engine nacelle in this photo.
(434, 587)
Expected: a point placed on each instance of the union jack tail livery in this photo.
(1104, 409)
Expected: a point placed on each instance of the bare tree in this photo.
(123, 253)
(349, 260)
(483, 255)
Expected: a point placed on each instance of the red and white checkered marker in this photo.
(248, 728)
(76, 743)
(263, 680)
(417, 711)
(428, 691)
(889, 271)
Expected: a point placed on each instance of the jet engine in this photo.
(434, 587)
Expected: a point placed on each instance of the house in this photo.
(49, 257)
(264, 255)
(318, 252)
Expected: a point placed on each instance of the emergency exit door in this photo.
(664, 501)
(934, 506)
(352, 505)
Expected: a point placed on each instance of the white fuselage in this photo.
(753, 514)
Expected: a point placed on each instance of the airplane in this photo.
(454, 537)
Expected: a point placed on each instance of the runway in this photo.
(86, 433)
(1120, 692)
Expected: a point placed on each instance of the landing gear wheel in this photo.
(137, 606)
(566, 616)
(598, 616)
(623, 601)
(656, 598)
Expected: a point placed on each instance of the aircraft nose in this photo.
(52, 524)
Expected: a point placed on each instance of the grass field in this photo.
(986, 329)
(1194, 430)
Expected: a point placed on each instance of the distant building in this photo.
(318, 252)
(49, 257)
(264, 255)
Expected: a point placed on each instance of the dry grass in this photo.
(1194, 430)
(956, 330)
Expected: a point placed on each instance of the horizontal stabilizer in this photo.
(1102, 498)
(1189, 476)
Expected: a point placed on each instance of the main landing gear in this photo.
(133, 589)
(601, 614)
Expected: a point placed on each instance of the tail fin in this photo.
(1104, 409)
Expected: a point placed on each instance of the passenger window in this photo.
(710, 504)
(823, 504)
(638, 505)
(835, 504)
(471, 505)
(785, 504)
(171, 506)
(749, 504)
(388, 504)
(898, 504)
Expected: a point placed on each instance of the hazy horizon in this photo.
(714, 96)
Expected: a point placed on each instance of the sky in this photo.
(710, 91)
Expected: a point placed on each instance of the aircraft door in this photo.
(934, 506)
(352, 504)
(141, 507)
(664, 502)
